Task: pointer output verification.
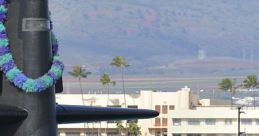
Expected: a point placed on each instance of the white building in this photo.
(213, 121)
(181, 113)
(164, 102)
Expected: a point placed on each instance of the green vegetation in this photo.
(134, 129)
(228, 85)
(120, 127)
(79, 72)
(251, 83)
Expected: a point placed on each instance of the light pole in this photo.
(238, 121)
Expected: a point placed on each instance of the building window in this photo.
(193, 122)
(158, 108)
(116, 106)
(165, 133)
(158, 133)
(210, 121)
(177, 122)
(246, 121)
(133, 106)
(112, 134)
(72, 133)
(164, 121)
(164, 109)
(176, 135)
(193, 134)
(228, 121)
(257, 121)
(157, 122)
(93, 134)
(171, 107)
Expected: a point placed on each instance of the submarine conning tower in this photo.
(28, 31)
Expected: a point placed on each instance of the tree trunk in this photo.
(92, 128)
(82, 97)
(100, 129)
(124, 94)
(231, 99)
(108, 94)
(123, 86)
(254, 97)
(108, 97)
(81, 89)
(107, 125)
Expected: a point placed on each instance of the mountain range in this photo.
(153, 34)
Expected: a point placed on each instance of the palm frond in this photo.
(119, 61)
(251, 82)
(79, 72)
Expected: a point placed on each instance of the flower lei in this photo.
(14, 74)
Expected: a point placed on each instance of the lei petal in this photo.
(2, 27)
(5, 58)
(47, 80)
(19, 80)
(12, 73)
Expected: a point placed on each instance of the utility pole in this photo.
(238, 121)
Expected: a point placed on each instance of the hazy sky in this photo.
(154, 34)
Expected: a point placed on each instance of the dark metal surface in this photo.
(239, 133)
(59, 86)
(10, 114)
(79, 114)
(32, 54)
(238, 121)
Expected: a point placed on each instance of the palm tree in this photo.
(121, 63)
(80, 72)
(106, 81)
(251, 82)
(228, 85)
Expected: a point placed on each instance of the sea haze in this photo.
(159, 37)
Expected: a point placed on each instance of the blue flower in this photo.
(19, 80)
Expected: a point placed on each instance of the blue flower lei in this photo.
(14, 74)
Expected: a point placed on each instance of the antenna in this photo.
(252, 54)
(201, 54)
(244, 53)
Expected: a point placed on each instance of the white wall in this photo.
(147, 99)
(218, 113)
